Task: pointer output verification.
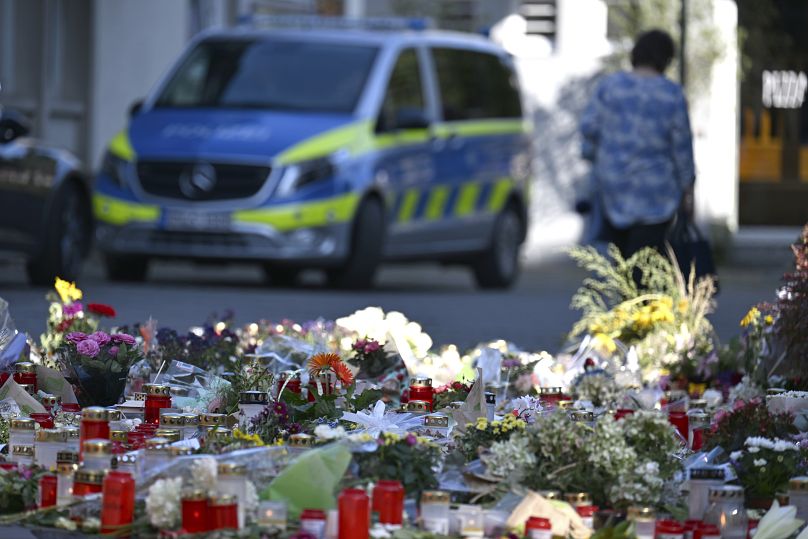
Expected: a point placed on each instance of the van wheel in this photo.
(67, 238)
(498, 265)
(281, 276)
(367, 243)
(126, 268)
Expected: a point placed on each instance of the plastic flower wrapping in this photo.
(640, 397)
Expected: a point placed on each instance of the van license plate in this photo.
(196, 220)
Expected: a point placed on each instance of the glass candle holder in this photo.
(21, 431)
(25, 374)
(727, 511)
(44, 419)
(22, 455)
(470, 518)
(354, 514)
(421, 390)
(73, 438)
(117, 502)
(233, 480)
(313, 522)
(669, 529)
(155, 453)
(157, 397)
(698, 423)
(435, 511)
(644, 519)
(52, 403)
(388, 501)
(680, 421)
(224, 510)
(272, 514)
(798, 495)
(64, 483)
(196, 516)
(538, 528)
(47, 491)
(86, 482)
(701, 480)
(587, 514)
(94, 425)
(96, 454)
(550, 396)
(49, 442)
(208, 422)
(706, 531)
(250, 404)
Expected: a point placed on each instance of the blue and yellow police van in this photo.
(320, 147)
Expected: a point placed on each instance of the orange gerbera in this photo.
(343, 372)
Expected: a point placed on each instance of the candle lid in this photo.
(301, 440)
(127, 458)
(421, 381)
(220, 434)
(700, 404)
(113, 414)
(90, 477)
(96, 446)
(212, 419)
(231, 468)
(23, 423)
(190, 418)
(65, 467)
(156, 444)
(67, 457)
(550, 494)
(139, 396)
(179, 451)
(550, 390)
(490, 398)
(726, 492)
(565, 404)
(578, 498)
(707, 472)
(25, 367)
(434, 496)
(581, 415)
(172, 435)
(798, 483)
(172, 419)
(253, 397)
(157, 390)
(23, 450)
(51, 400)
(222, 499)
(635, 512)
(51, 435)
(192, 494)
(72, 432)
(439, 421)
(94, 413)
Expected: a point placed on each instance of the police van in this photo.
(317, 147)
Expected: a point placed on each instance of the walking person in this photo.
(636, 132)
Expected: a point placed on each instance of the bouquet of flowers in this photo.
(67, 313)
(731, 429)
(274, 424)
(409, 459)
(449, 393)
(97, 364)
(372, 360)
(18, 489)
(765, 465)
(483, 433)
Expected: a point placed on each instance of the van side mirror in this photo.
(13, 125)
(134, 108)
(410, 118)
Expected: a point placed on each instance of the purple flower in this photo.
(113, 351)
(411, 439)
(371, 346)
(123, 338)
(100, 337)
(26, 472)
(76, 337)
(88, 348)
(72, 309)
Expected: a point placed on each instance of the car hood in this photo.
(212, 134)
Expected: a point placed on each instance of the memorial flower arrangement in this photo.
(765, 465)
(480, 435)
(409, 459)
(731, 428)
(371, 359)
(18, 489)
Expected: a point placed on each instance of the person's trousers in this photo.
(633, 238)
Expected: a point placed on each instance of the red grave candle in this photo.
(354, 514)
(680, 421)
(224, 509)
(388, 501)
(47, 491)
(94, 425)
(44, 419)
(117, 502)
(421, 390)
(86, 482)
(196, 517)
(25, 374)
(538, 528)
(157, 397)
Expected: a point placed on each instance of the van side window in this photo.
(405, 95)
(475, 85)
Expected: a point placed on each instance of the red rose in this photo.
(101, 309)
(64, 325)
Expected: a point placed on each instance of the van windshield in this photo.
(279, 74)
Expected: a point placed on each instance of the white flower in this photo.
(163, 503)
(754, 449)
(324, 432)
(509, 456)
(527, 407)
(378, 420)
(778, 523)
(759, 462)
(783, 445)
(736, 455)
(204, 473)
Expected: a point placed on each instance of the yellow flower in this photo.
(751, 317)
(67, 290)
(683, 306)
(769, 320)
(605, 342)
(496, 430)
(480, 427)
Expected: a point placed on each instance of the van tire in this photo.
(67, 238)
(498, 266)
(126, 268)
(367, 244)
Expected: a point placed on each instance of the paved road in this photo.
(534, 314)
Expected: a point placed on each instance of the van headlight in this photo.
(298, 175)
(115, 168)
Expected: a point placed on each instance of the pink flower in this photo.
(123, 338)
(371, 346)
(738, 404)
(113, 351)
(411, 439)
(72, 309)
(99, 337)
(76, 337)
(88, 348)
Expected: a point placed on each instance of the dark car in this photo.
(45, 211)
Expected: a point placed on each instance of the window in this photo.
(404, 91)
(271, 74)
(476, 85)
